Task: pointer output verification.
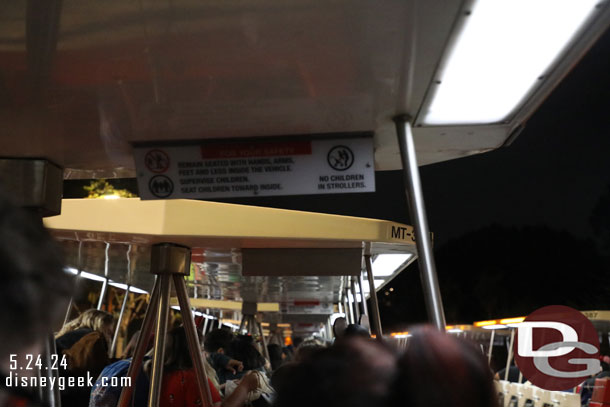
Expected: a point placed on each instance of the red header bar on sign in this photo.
(245, 150)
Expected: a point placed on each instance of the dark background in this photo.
(515, 229)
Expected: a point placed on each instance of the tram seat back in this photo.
(543, 398)
(501, 391)
(570, 399)
(513, 395)
(526, 396)
(601, 393)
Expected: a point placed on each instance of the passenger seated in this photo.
(356, 372)
(439, 370)
(179, 385)
(85, 341)
(216, 344)
(34, 294)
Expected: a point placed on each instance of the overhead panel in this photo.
(296, 260)
(115, 73)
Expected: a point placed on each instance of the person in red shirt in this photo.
(179, 387)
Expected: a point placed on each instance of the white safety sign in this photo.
(306, 307)
(256, 168)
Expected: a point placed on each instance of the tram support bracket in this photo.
(417, 210)
(170, 262)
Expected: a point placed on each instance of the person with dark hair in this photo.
(356, 330)
(356, 372)
(179, 386)
(439, 370)
(243, 349)
(34, 293)
(275, 355)
(217, 344)
(307, 349)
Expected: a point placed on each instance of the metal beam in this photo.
(376, 323)
(432, 293)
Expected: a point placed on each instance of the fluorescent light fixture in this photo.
(454, 330)
(196, 313)
(71, 270)
(502, 51)
(385, 265)
(90, 276)
(111, 196)
(131, 288)
(496, 326)
(201, 314)
(400, 336)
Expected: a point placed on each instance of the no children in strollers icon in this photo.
(340, 158)
(161, 186)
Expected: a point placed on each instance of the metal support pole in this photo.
(432, 293)
(138, 355)
(376, 323)
(345, 307)
(510, 353)
(265, 350)
(79, 264)
(348, 307)
(491, 345)
(355, 303)
(118, 324)
(365, 308)
(193, 340)
(105, 284)
(205, 326)
(100, 302)
(50, 394)
(156, 376)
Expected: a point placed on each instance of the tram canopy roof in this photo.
(83, 81)
(239, 253)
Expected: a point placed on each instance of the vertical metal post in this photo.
(205, 326)
(491, 345)
(348, 307)
(79, 264)
(50, 394)
(432, 293)
(375, 305)
(345, 307)
(340, 307)
(105, 284)
(355, 303)
(193, 340)
(365, 308)
(265, 350)
(156, 376)
(138, 355)
(118, 324)
(242, 324)
(510, 353)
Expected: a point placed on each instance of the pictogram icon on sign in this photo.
(157, 161)
(340, 158)
(161, 186)
(557, 348)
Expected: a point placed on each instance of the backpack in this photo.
(107, 388)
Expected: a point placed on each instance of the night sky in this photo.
(528, 199)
